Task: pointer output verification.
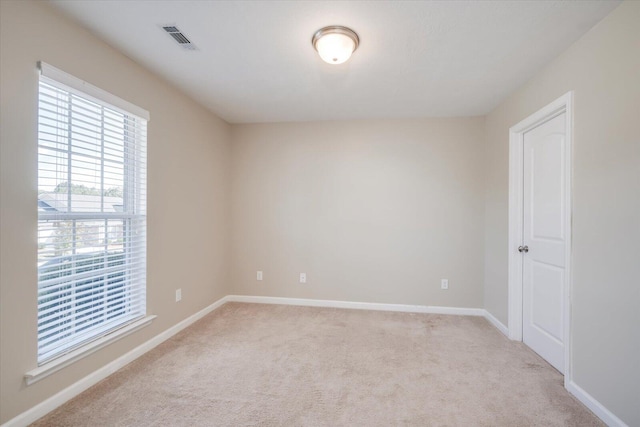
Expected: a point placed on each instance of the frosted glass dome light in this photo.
(335, 44)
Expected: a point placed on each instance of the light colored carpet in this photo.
(270, 365)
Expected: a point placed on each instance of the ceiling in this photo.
(254, 60)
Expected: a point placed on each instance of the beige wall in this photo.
(188, 155)
(603, 68)
(375, 211)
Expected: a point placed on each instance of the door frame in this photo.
(564, 104)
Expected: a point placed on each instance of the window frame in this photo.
(134, 196)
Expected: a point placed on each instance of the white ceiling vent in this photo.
(179, 37)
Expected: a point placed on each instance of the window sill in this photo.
(55, 365)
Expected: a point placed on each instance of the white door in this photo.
(544, 240)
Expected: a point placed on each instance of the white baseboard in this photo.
(93, 378)
(495, 322)
(358, 305)
(596, 407)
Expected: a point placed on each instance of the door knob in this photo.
(524, 249)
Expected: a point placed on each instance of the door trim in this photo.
(564, 104)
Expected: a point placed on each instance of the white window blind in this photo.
(91, 213)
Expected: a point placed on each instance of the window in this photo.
(91, 213)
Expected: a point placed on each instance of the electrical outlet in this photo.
(259, 275)
(444, 284)
(303, 277)
(178, 294)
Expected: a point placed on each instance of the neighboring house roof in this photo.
(59, 202)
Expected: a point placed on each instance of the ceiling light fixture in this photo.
(335, 44)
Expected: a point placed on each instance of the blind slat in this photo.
(70, 84)
(61, 320)
(78, 317)
(52, 351)
(51, 285)
(70, 297)
(92, 237)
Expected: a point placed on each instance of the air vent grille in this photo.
(179, 37)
